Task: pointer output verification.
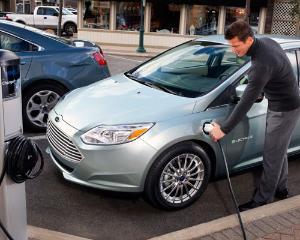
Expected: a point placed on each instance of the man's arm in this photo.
(258, 78)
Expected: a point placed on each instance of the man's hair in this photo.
(239, 29)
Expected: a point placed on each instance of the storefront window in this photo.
(165, 17)
(23, 6)
(202, 20)
(96, 14)
(235, 14)
(128, 16)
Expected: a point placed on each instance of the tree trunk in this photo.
(59, 30)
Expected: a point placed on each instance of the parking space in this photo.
(56, 204)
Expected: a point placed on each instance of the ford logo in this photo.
(57, 119)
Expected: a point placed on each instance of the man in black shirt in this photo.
(270, 73)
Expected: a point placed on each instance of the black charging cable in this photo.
(206, 129)
(23, 160)
(232, 193)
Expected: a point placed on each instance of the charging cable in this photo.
(23, 160)
(207, 127)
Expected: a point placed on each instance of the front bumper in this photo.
(120, 167)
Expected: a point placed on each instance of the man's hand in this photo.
(216, 133)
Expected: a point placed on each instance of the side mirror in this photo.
(55, 14)
(240, 89)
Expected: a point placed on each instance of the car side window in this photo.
(15, 44)
(49, 11)
(40, 11)
(291, 54)
(228, 96)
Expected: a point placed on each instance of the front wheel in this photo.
(38, 101)
(178, 177)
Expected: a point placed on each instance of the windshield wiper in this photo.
(151, 84)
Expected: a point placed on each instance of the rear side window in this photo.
(292, 57)
(298, 59)
(15, 44)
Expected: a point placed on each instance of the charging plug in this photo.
(207, 127)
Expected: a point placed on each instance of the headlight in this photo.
(115, 134)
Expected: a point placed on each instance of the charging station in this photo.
(12, 195)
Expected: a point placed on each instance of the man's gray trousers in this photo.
(279, 129)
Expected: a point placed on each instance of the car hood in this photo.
(119, 100)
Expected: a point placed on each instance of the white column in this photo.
(221, 20)
(147, 22)
(183, 19)
(262, 20)
(113, 16)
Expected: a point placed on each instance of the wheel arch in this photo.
(20, 21)
(69, 22)
(206, 147)
(45, 81)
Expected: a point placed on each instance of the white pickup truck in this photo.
(46, 17)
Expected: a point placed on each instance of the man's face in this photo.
(239, 47)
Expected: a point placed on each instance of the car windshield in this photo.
(189, 70)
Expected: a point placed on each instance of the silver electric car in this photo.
(142, 131)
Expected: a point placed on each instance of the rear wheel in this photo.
(70, 29)
(178, 177)
(38, 101)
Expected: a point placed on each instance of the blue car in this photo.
(50, 67)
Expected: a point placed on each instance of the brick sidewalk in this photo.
(284, 226)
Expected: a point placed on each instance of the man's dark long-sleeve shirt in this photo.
(271, 72)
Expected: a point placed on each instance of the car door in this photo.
(39, 18)
(22, 48)
(50, 18)
(292, 55)
(244, 144)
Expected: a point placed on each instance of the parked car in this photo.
(46, 17)
(142, 131)
(3, 15)
(72, 10)
(50, 67)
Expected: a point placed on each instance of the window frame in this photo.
(39, 48)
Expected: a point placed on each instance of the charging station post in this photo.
(12, 195)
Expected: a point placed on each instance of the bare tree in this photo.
(59, 18)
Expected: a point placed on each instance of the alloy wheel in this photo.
(39, 106)
(181, 178)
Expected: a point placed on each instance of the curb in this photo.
(36, 233)
(231, 221)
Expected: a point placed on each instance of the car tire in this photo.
(70, 28)
(178, 177)
(37, 103)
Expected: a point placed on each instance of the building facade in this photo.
(167, 22)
